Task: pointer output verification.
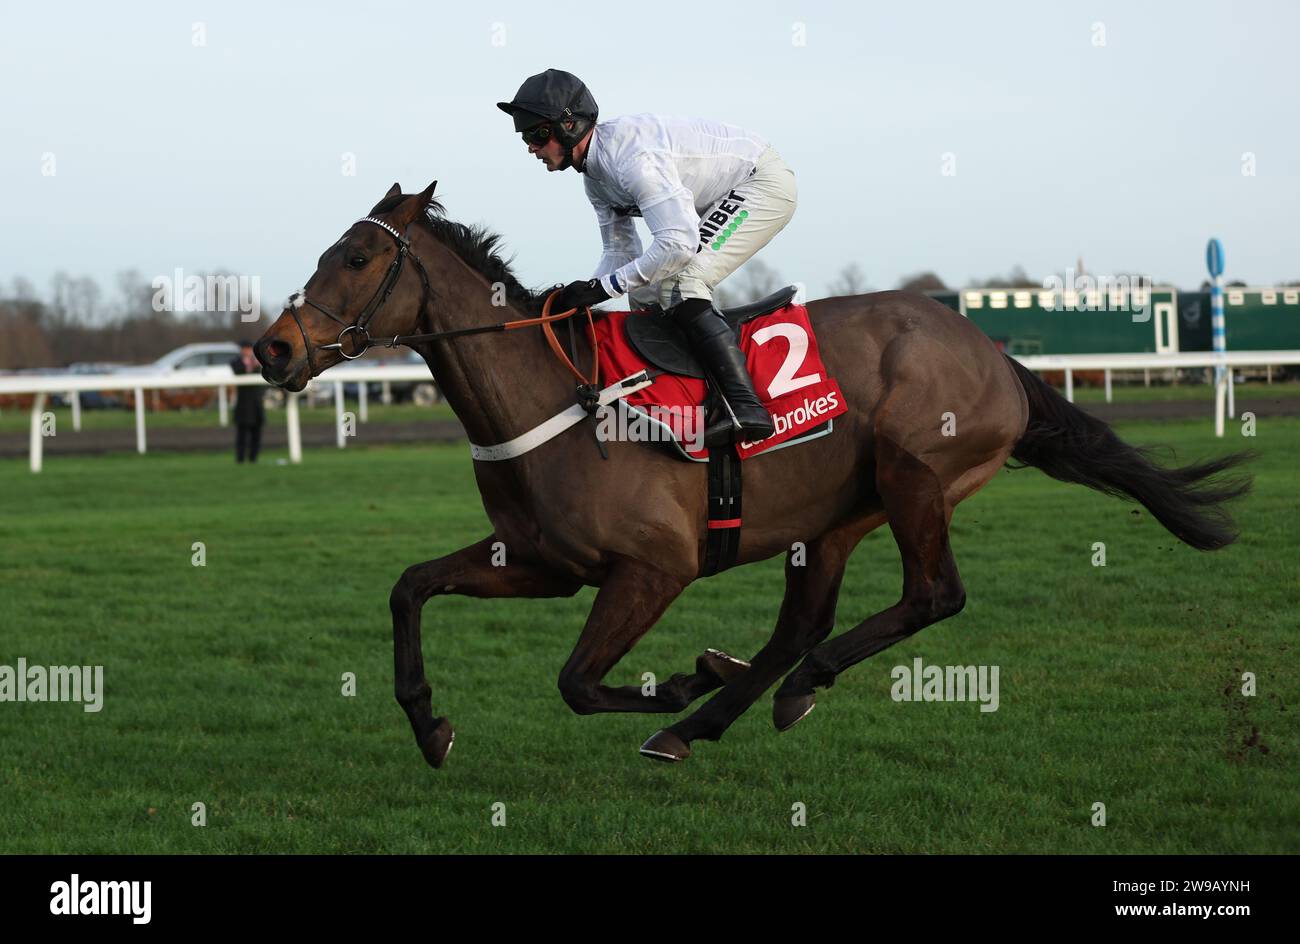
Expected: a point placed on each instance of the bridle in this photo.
(360, 327)
(363, 341)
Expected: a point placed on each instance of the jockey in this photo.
(711, 195)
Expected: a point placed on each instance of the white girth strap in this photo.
(558, 423)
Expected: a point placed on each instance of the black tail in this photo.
(1068, 444)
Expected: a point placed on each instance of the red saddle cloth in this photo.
(781, 353)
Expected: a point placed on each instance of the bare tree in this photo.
(23, 290)
(1016, 278)
(922, 282)
(56, 313)
(757, 279)
(750, 283)
(134, 294)
(850, 281)
(83, 300)
(23, 342)
(725, 298)
(77, 325)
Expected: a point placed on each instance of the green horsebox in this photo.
(1123, 320)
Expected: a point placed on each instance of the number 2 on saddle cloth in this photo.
(781, 355)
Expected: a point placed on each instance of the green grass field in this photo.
(14, 420)
(1180, 393)
(1119, 684)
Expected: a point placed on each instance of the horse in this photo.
(935, 410)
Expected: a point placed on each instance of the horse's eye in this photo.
(356, 262)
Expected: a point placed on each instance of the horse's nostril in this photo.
(275, 353)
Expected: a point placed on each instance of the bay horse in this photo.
(934, 411)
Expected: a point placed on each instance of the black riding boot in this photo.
(715, 345)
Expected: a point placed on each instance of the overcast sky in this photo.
(1115, 132)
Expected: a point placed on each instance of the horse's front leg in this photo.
(470, 572)
(631, 599)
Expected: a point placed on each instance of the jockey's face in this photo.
(551, 153)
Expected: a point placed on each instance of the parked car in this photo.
(188, 357)
(94, 367)
(422, 393)
(204, 354)
(23, 401)
(95, 399)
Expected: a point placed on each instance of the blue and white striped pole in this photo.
(1214, 262)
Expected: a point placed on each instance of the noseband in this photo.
(360, 327)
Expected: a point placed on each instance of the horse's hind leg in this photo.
(630, 601)
(932, 588)
(471, 572)
(807, 616)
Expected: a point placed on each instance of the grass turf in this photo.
(1119, 684)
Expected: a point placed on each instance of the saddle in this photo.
(658, 339)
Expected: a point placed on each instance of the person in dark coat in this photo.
(250, 415)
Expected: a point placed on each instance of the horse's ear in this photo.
(394, 191)
(412, 207)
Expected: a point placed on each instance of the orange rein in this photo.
(545, 321)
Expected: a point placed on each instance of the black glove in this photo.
(580, 295)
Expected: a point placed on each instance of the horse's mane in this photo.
(478, 246)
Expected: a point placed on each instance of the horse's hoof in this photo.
(720, 666)
(790, 710)
(665, 746)
(438, 744)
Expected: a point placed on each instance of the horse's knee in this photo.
(403, 598)
(578, 693)
(949, 598)
(936, 602)
(414, 588)
(953, 602)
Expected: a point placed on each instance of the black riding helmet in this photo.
(555, 96)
